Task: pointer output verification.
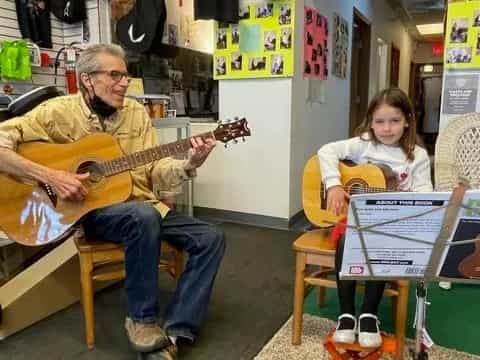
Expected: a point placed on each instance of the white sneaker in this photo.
(369, 339)
(345, 335)
(446, 285)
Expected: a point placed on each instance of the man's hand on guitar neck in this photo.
(337, 199)
(68, 186)
(199, 152)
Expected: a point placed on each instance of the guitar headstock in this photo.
(232, 130)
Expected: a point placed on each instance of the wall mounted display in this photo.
(340, 46)
(462, 37)
(315, 45)
(260, 45)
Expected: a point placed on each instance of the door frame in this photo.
(359, 69)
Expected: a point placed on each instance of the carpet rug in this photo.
(314, 331)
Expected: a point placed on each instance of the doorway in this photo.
(426, 96)
(360, 70)
(394, 66)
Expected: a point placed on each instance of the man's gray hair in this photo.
(87, 61)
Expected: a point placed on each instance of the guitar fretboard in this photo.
(134, 160)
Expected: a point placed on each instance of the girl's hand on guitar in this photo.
(337, 199)
(68, 186)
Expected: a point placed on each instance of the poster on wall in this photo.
(340, 46)
(315, 45)
(260, 45)
(462, 37)
(460, 94)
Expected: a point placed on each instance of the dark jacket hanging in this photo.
(34, 21)
(142, 25)
(69, 11)
(220, 10)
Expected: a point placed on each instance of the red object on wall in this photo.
(71, 78)
(437, 49)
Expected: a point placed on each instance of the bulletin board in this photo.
(340, 46)
(315, 48)
(462, 35)
(261, 45)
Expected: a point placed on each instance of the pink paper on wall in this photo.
(315, 45)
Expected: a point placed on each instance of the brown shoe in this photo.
(168, 353)
(145, 337)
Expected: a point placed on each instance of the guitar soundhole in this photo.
(92, 167)
(356, 187)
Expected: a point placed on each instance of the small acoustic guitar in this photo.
(355, 179)
(469, 267)
(32, 214)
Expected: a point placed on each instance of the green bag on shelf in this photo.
(15, 61)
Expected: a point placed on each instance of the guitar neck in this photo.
(134, 160)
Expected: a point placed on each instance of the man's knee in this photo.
(217, 242)
(146, 215)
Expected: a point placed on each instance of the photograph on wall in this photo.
(257, 63)
(315, 45)
(476, 18)
(235, 35)
(264, 10)
(270, 40)
(220, 66)
(221, 37)
(286, 38)
(277, 64)
(244, 12)
(262, 43)
(459, 55)
(459, 30)
(285, 16)
(462, 39)
(236, 63)
(340, 46)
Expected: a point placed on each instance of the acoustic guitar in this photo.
(355, 179)
(32, 214)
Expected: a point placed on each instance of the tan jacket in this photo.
(67, 118)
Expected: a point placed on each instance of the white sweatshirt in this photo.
(412, 175)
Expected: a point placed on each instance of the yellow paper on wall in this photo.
(462, 35)
(135, 87)
(260, 46)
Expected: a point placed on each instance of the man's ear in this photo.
(86, 80)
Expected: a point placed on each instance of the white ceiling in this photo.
(416, 12)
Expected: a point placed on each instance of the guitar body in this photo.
(32, 214)
(354, 178)
(470, 266)
(29, 216)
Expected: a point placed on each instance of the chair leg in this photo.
(86, 267)
(298, 298)
(321, 295)
(401, 319)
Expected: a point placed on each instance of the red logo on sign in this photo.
(356, 270)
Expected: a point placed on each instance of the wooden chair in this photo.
(315, 248)
(104, 261)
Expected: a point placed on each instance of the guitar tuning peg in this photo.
(243, 138)
(235, 141)
(227, 120)
(226, 145)
(235, 118)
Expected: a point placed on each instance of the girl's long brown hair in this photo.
(396, 98)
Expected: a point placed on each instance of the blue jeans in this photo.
(141, 229)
